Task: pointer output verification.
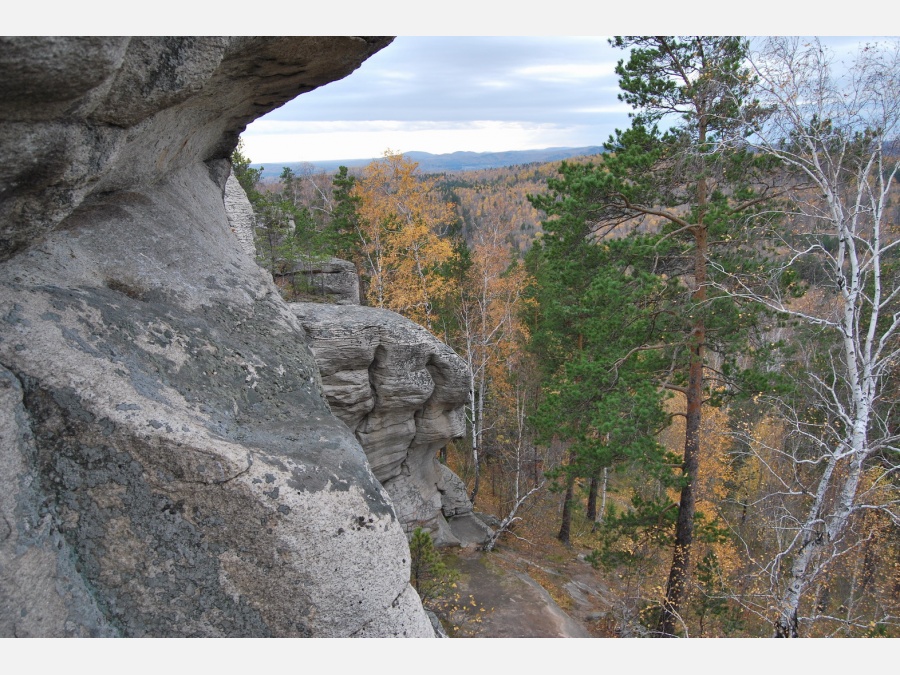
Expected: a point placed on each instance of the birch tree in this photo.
(488, 318)
(835, 128)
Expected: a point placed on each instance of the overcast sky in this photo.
(443, 94)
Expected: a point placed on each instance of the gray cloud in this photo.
(469, 78)
(532, 92)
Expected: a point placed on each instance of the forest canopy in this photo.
(684, 350)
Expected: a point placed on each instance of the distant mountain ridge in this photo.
(454, 161)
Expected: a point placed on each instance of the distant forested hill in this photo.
(482, 197)
(485, 196)
(429, 163)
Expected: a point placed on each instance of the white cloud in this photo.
(568, 72)
(613, 109)
(428, 94)
(494, 84)
(269, 142)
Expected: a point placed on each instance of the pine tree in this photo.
(429, 574)
(346, 239)
(677, 193)
(597, 304)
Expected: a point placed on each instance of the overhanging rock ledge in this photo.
(170, 465)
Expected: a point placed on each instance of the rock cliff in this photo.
(397, 387)
(169, 465)
(402, 392)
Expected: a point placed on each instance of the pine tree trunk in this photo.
(591, 512)
(684, 526)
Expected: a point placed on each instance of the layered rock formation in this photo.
(402, 392)
(332, 280)
(169, 464)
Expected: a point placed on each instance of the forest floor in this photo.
(533, 585)
(511, 592)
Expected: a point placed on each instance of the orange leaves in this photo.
(401, 222)
(492, 333)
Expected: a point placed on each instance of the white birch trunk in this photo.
(840, 127)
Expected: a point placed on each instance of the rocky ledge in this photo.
(168, 463)
(402, 392)
(395, 385)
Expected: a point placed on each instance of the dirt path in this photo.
(515, 604)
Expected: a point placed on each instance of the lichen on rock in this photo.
(174, 467)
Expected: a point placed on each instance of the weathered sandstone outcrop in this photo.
(347, 345)
(169, 464)
(240, 216)
(332, 280)
(402, 392)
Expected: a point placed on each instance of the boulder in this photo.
(466, 526)
(402, 392)
(454, 496)
(170, 466)
(332, 280)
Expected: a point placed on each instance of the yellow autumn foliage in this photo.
(401, 220)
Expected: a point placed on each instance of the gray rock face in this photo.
(240, 216)
(85, 117)
(334, 280)
(169, 464)
(402, 392)
(41, 592)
